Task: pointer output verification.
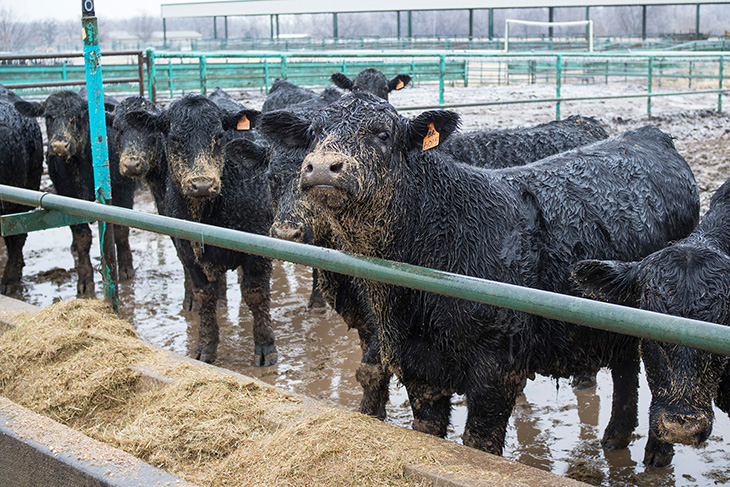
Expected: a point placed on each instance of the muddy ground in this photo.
(553, 427)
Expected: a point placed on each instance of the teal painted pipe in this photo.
(99, 149)
(595, 314)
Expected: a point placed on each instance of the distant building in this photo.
(182, 39)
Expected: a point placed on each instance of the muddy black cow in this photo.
(295, 218)
(21, 165)
(387, 197)
(285, 94)
(207, 184)
(372, 81)
(689, 278)
(71, 170)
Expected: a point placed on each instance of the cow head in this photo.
(141, 147)
(372, 81)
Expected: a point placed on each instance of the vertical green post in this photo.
(643, 22)
(720, 79)
(442, 69)
(649, 83)
(471, 24)
(99, 149)
(170, 76)
(203, 76)
(151, 75)
(64, 75)
(691, 65)
(334, 25)
(283, 67)
(697, 21)
(410, 24)
(491, 24)
(266, 75)
(397, 21)
(558, 70)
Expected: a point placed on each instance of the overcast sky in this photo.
(71, 9)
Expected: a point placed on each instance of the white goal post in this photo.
(589, 23)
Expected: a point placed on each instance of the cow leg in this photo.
(208, 334)
(489, 408)
(124, 253)
(256, 293)
(14, 265)
(189, 297)
(316, 299)
(372, 376)
(80, 248)
(431, 408)
(624, 408)
(657, 453)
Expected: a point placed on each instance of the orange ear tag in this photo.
(400, 85)
(244, 124)
(431, 139)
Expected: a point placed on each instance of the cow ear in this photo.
(243, 120)
(249, 155)
(144, 121)
(286, 128)
(431, 128)
(399, 82)
(342, 81)
(31, 109)
(607, 280)
(109, 118)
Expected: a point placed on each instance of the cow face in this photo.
(361, 147)
(140, 146)
(372, 81)
(687, 280)
(67, 122)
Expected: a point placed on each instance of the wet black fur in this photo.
(285, 94)
(689, 278)
(67, 118)
(21, 165)
(626, 196)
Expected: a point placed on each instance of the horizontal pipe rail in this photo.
(51, 84)
(595, 314)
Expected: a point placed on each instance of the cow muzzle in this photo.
(61, 148)
(288, 231)
(322, 170)
(202, 188)
(133, 167)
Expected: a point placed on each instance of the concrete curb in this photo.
(35, 450)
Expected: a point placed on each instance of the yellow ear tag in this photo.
(83, 33)
(244, 124)
(400, 85)
(431, 139)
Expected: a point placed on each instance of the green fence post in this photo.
(649, 82)
(720, 76)
(442, 69)
(266, 75)
(283, 67)
(64, 75)
(691, 64)
(169, 76)
(557, 86)
(466, 74)
(151, 75)
(99, 148)
(203, 76)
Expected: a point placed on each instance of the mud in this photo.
(553, 427)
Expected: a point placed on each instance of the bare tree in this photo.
(12, 32)
(144, 25)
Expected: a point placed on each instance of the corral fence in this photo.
(165, 75)
(595, 314)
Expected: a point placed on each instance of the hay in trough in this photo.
(74, 362)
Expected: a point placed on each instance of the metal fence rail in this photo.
(646, 324)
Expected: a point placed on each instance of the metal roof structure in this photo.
(283, 7)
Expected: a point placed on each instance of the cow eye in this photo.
(384, 136)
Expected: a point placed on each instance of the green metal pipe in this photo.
(558, 71)
(595, 314)
(720, 80)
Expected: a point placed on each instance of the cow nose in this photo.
(321, 171)
(288, 231)
(688, 429)
(201, 189)
(133, 167)
(60, 148)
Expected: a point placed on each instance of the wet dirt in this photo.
(553, 426)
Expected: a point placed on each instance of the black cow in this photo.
(295, 219)
(689, 278)
(71, 170)
(21, 165)
(387, 197)
(285, 94)
(206, 184)
(371, 80)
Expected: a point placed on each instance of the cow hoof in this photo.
(206, 355)
(658, 453)
(187, 303)
(615, 441)
(126, 273)
(316, 301)
(265, 355)
(7, 288)
(85, 289)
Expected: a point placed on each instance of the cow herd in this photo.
(559, 206)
